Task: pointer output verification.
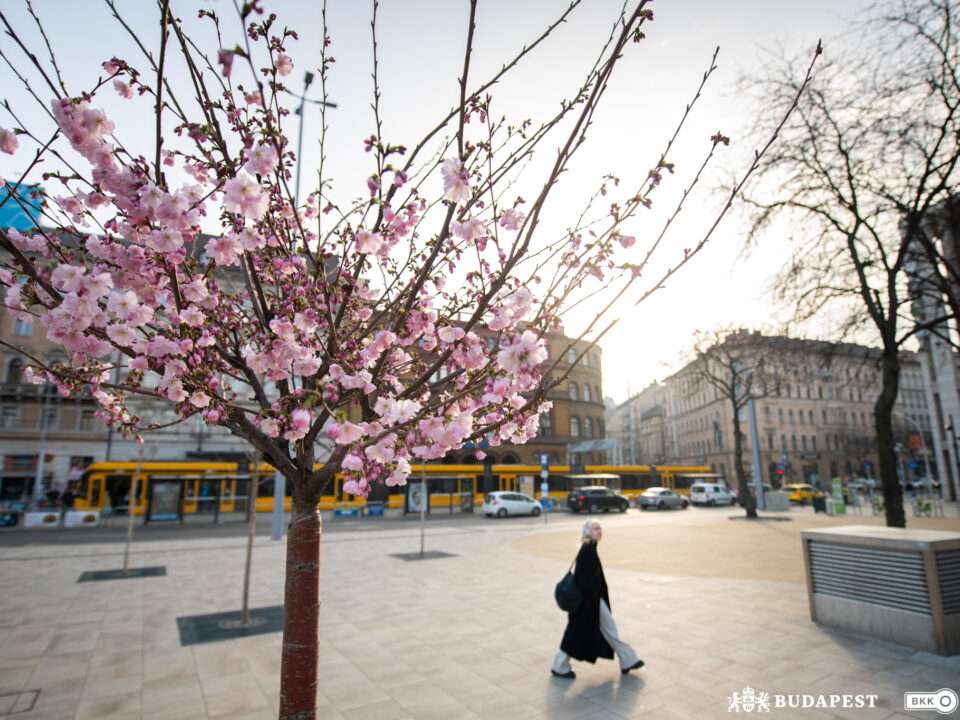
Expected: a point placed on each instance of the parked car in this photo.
(802, 493)
(863, 485)
(766, 489)
(502, 504)
(661, 498)
(596, 498)
(711, 494)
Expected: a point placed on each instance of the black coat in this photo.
(582, 639)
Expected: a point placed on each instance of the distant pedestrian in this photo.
(591, 631)
(68, 498)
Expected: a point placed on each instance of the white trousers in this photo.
(608, 628)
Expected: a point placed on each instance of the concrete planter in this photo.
(891, 583)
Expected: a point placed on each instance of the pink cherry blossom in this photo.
(200, 399)
(262, 160)
(300, 420)
(284, 65)
(225, 60)
(511, 219)
(368, 242)
(627, 240)
(456, 181)
(224, 250)
(345, 433)
(8, 141)
(244, 196)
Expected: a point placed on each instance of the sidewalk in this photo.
(468, 636)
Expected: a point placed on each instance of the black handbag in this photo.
(568, 595)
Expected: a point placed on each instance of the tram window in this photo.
(265, 487)
(13, 489)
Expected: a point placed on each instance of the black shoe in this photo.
(636, 666)
(568, 675)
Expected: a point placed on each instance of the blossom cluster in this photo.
(152, 290)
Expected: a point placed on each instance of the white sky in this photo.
(420, 59)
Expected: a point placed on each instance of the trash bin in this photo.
(820, 504)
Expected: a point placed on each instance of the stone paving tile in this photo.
(470, 636)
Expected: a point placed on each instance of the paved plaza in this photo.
(712, 605)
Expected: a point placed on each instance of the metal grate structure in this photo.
(889, 578)
(948, 570)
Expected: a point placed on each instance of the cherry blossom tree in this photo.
(398, 326)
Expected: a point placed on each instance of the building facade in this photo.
(816, 422)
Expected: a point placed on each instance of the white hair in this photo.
(585, 534)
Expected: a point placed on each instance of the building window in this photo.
(769, 441)
(780, 414)
(15, 371)
(791, 416)
(574, 391)
(575, 427)
(22, 328)
(596, 393)
(586, 360)
(9, 417)
(824, 417)
(588, 427)
(793, 441)
(586, 392)
(803, 441)
(766, 414)
(813, 441)
(87, 420)
(571, 356)
(48, 418)
(811, 417)
(783, 442)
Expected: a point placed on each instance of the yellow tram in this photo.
(178, 488)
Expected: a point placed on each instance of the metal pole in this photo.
(279, 494)
(307, 79)
(43, 449)
(251, 534)
(131, 506)
(754, 441)
(423, 501)
(956, 482)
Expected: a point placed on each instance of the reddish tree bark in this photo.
(301, 609)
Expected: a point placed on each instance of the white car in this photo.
(711, 494)
(502, 504)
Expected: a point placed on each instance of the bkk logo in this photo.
(752, 700)
(944, 701)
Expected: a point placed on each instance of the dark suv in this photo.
(594, 499)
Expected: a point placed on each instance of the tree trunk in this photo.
(301, 607)
(887, 466)
(746, 495)
(251, 536)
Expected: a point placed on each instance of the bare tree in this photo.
(741, 366)
(869, 160)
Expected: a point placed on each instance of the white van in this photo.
(711, 494)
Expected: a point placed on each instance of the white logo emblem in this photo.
(749, 700)
(944, 701)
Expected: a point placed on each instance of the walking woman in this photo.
(591, 631)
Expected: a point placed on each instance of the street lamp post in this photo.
(38, 481)
(307, 80)
(956, 483)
